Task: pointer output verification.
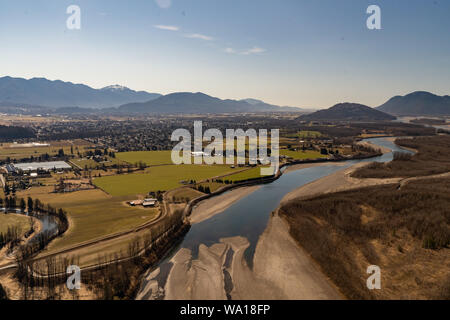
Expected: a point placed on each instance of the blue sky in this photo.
(306, 53)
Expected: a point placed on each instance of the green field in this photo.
(156, 158)
(25, 152)
(150, 158)
(92, 214)
(183, 194)
(11, 220)
(161, 178)
(300, 155)
(245, 175)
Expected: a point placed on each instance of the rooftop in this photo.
(32, 166)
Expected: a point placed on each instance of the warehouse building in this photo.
(44, 166)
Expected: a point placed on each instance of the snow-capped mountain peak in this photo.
(115, 87)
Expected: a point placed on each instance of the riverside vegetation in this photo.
(398, 227)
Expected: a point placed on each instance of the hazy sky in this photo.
(306, 53)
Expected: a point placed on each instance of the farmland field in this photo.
(92, 214)
(182, 194)
(11, 220)
(157, 158)
(159, 178)
(17, 152)
(245, 175)
(151, 158)
(299, 155)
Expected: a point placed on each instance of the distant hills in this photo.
(58, 94)
(39, 95)
(419, 103)
(272, 107)
(188, 102)
(347, 112)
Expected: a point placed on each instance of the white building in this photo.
(46, 166)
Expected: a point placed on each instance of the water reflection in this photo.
(249, 216)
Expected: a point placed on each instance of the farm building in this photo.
(149, 202)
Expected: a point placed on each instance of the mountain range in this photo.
(188, 102)
(68, 98)
(45, 96)
(58, 94)
(419, 103)
(347, 112)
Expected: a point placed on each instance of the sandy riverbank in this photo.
(212, 206)
(281, 262)
(281, 271)
(199, 279)
(338, 181)
(300, 166)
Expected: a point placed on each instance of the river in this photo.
(48, 224)
(249, 216)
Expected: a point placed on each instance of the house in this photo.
(149, 203)
(136, 203)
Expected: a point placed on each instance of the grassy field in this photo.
(55, 177)
(92, 213)
(245, 175)
(161, 178)
(157, 158)
(300, 155)
(213, 186)
(10, 220)
(19, 152)
(183, 194)
(151, 158)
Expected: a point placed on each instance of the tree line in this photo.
(117, 275)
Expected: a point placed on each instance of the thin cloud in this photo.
(230, 50)
(254, 50)
(164, 4)
(199, 36)
(165, 27)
